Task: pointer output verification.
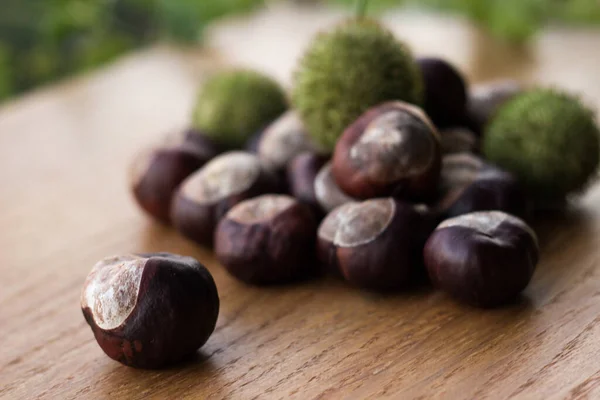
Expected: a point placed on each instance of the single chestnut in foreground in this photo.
(376, 244)
(485, 258)
(205, 196)
(469, 184)
(445, 92)
(150, 310)
(328, 193)
(267, 240)
(157, 172)
(391, 150)
(302, 172)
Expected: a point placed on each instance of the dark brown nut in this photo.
(486, 98)
(150, 310)
(267, 240)
(282, 140)
(375, 244)
(391, 150)
(302, 172)
(157, 172)
(205, 196)
(485, 259)
(469, 184)
(459, 140)
(445, 92)
(328, 193)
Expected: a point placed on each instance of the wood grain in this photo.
(64, 153)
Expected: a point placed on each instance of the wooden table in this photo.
(64, 154)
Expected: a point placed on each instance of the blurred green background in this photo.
(42, 40)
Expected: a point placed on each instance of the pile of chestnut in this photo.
(404, 192)
(404, 195)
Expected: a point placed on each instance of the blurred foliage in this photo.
(511, 20)
(41, 40)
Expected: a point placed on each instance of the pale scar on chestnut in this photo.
(382, 146)
(264, 208)
(226, 175)
(355, 224)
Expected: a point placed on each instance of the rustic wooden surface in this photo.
(64, 153)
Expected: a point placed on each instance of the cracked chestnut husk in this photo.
(445, 92)
(376, 244)
(157, 172)
(302, 172)
(150, 310)
(469, 184)
(485, 259)
(391, 150)
(208, 194)
(327, 192)
(267, 240)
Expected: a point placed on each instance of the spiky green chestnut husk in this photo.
(234, 105)
(549, 140)
(344, 72)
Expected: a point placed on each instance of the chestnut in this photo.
(150, 310)
(445, 92)
(285, 138)
(469, 184)
(485, 258)
(391, 150)
(458, 140)
(327, 192)
(205, 196)
(486, 98)
(267, 240)
(157, 172)
(302, 172)
(376, 244)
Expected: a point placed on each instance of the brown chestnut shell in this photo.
(282, 140)
(208, 194)
(484, 259)
(150, 310)
(469, 184)
(267, 240)
(445, 91)
(376, 244)
(327, 192)
(157, 172)
(391, 150)
(302, 172)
